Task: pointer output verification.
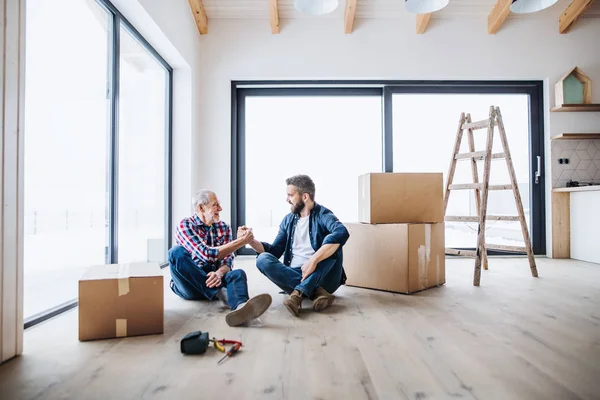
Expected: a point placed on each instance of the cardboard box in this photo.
(398, 198)
(121, 300)
(403, 258)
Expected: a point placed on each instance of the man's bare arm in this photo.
(257, 246)
(324, 252)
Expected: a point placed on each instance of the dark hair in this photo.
(303, 183)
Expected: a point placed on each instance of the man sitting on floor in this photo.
(310, 238)
(202, 262)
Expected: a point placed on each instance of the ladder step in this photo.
(477, 124)
(521, 249)
(458, 252)
(487, 218)
(464, 186)
(501, 187)
(478, 155)
(474, 154)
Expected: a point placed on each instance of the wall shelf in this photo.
(577, 107)
(577, 136)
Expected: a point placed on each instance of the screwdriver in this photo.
(232, 350)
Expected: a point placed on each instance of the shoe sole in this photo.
(323, 302)
(254, 308)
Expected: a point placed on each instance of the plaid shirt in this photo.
(201, 240)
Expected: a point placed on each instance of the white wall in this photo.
(170, 28)
(12, 90)
(383, 49)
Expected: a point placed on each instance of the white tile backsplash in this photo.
(584, 164)
(584, 161)
(591, 149)
(582, 145)
(566, 175)
(593, 170)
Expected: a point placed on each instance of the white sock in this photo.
(256, 322)
(239, 306)
(222, 295)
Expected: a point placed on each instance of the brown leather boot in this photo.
(322, 299)
(294, 303)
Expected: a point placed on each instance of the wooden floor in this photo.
(515, 337)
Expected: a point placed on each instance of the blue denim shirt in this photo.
(324, 228)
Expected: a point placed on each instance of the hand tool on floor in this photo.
(232, 350)
(197, 342)
(218, 345)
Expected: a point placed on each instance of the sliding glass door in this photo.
(337, 130)
(97, 162)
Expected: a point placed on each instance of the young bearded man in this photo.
(310, 238)
(202, 262)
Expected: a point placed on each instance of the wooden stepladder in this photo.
(482, 189)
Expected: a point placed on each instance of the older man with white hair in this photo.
(202, 262)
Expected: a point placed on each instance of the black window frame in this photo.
(116, 21)
(240, 90)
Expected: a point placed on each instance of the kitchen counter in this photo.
(576, 223)
(578, 189)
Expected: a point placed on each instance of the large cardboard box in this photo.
(390, 198)
(403, 258)
(120, 300)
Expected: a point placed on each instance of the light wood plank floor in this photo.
(515, 337)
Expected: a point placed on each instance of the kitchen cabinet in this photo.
(576, 223)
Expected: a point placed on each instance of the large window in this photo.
(414, 152)
(142, 167)
(291, 135)
(336, 131)
(97, 135)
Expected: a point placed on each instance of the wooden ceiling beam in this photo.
(575, 10)
(498, 15)
(274, 14)
(422, 22)
(199, 15)
(349, 14)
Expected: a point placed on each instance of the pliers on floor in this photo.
(220, 345)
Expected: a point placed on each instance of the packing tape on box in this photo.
(424, 254)
(121, 327)
(123, 279)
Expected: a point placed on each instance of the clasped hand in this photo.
(245, 234)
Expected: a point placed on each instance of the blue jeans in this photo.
(188, 280)
(326, 275)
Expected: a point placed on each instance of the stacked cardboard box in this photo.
(398, 244)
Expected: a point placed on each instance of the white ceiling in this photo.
(379, 9)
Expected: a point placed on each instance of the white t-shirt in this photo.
(301, 248)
